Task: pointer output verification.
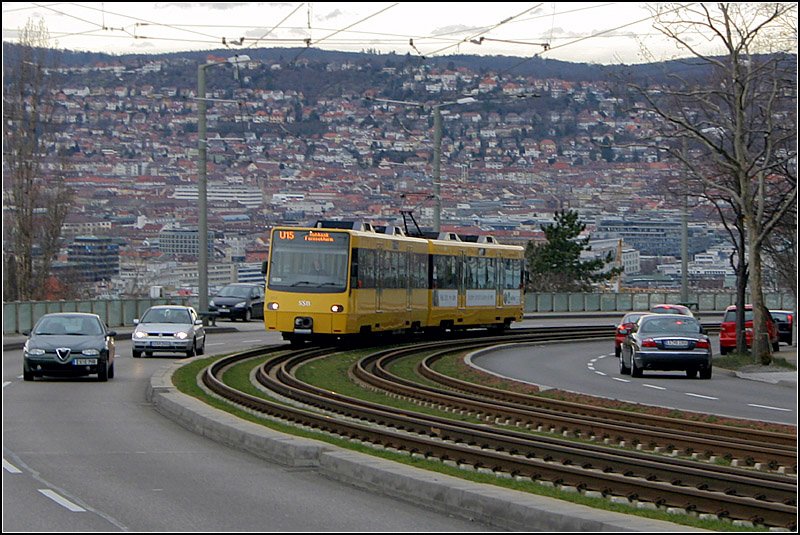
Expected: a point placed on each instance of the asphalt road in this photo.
(79, 455)
(591, 368)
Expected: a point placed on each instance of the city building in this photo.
(93, 258)
(181, 241)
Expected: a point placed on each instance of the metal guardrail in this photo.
(21, 315)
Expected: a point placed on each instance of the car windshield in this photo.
(235, 291)
(68, 325)
(730, 315)
(166, 315)
(670, 325)
(633, 318)
(669, 310)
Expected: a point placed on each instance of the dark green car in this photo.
(69, 344)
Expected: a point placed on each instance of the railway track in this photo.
(579, 449)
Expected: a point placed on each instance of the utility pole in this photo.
(437, 167)
(202, 190)
(685, 238)
(437, 148)
(202, 181)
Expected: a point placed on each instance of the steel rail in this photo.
(586, 471)
(699, 428)
(279, 377)
(628, 429)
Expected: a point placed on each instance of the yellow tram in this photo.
(339, 279)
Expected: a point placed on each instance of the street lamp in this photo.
(437, 148)
(202, 182)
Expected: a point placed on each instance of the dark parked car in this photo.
(169, 329)
(240, 300)
(727, 330)
(784, 319)
(666, 342)
(624, 329)
(69, 344)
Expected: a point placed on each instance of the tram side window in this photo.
(512, 273)
(471, 272)
(384, 275)
(366, 268)
(354, 269)
(403, 270)
(491, 272)
(419, 270)
(445, 273)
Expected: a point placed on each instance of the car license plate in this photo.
(159, 343)
(84, 362)
(676, 343)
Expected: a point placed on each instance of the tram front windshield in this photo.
(308, 261)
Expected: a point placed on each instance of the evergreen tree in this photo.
(556, 266)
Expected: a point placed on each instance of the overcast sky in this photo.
(592, 32)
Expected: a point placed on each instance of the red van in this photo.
(727, 332)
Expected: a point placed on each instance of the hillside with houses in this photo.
(296, 139)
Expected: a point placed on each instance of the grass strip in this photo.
(333, 371)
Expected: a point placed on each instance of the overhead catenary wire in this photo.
(330, 40)
(502, 22)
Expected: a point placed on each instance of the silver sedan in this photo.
(666, 342)
(169, 329)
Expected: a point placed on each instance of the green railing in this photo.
(21, 315)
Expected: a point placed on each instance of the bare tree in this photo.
(740, 122)
(40, 201)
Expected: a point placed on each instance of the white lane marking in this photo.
(621, 380)
(653, 386)
(699, 396)
(6, 383)
(600, 373)
(62, 501)
(10, 468)
(248, 341)
(768, 407)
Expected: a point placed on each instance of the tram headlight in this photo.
(337, 308)
(272, 305)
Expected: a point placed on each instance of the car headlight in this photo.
(90, 352)
(181, 335)
(240, 304)
(36, 352)
(211, 303)
(140, 334)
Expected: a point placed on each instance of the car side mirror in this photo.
(111, 334)
(198, 322)
(26, 332)
(136, 321)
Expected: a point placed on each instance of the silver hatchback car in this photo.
(169, 329)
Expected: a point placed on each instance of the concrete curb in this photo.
(494, 506)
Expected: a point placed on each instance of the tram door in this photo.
(408, 268)
(461, 276)
(380, 277)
